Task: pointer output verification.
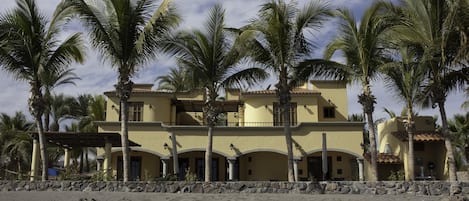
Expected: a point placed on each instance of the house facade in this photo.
(248, 143)
(429, 149)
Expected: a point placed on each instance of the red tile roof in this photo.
(384, 158)
(294, 91)
(420, 136)
(388, 158)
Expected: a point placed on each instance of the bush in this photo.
(397, 175)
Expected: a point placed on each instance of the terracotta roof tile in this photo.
(384, 158)
(420, 136)
(294, 91)
(388, 158)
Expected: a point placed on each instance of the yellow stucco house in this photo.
(248, 144)
(429, 149)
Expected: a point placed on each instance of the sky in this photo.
(98, 76)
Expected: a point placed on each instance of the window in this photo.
(135, 111)
(278, 117)
(329, 112)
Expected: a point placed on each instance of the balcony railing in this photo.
(234, 124)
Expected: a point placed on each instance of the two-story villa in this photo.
(249, 142)
(167, 134)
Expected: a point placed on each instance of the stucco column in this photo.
(231, 163)
(360, 169)
(174, 152)
(34, 160)
(295, 169)
(107, 160)
(165, 167)
(67, 157)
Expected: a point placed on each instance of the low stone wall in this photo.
(433, 188)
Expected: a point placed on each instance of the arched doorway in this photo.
(192, 164)
(144, 165)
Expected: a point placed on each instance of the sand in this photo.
(117, 196)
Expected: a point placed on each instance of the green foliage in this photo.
(190, 176)
(397, 175)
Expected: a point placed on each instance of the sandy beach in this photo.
(118, 196)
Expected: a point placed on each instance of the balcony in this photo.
(234, 124)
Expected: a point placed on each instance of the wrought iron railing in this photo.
(233, 124)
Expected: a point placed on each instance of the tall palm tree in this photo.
(127, 34)
(210, 58)
(178, 80)
(277, 40)
(30, 45)
(405, 78)
(51, 80)
(431, 26)
(362, 46)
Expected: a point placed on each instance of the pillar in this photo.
(360, 169)
(67, 157)
(107, 161)
(295, 169)
(165, 167)
(34, 160)
(231, 163)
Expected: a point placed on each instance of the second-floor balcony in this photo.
(233, 124)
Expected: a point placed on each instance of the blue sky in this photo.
(97, 76)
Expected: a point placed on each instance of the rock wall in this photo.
(433, 188)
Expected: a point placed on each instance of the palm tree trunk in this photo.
(448, 145)
(208, 153)
(373, 151)
(367, 100)
(410, 127)
(286, 105)
(124, 90)
(125, 140)
(42, 147)
(47, 120)
(175, 155)
(18, 162)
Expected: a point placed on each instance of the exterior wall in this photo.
(263, 166)
(249, 141)
(150, 165)
(333, 93)
(154, 108)
(258, 109)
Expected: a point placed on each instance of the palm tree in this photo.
(52, 80)
(127, 34)
(207, 56)
(30, 45)
(178, 80)
(276, 40)
(430, 25)
(15, 142)
(405, 77)
(60, 109)
(459, 126)
(362, 46)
